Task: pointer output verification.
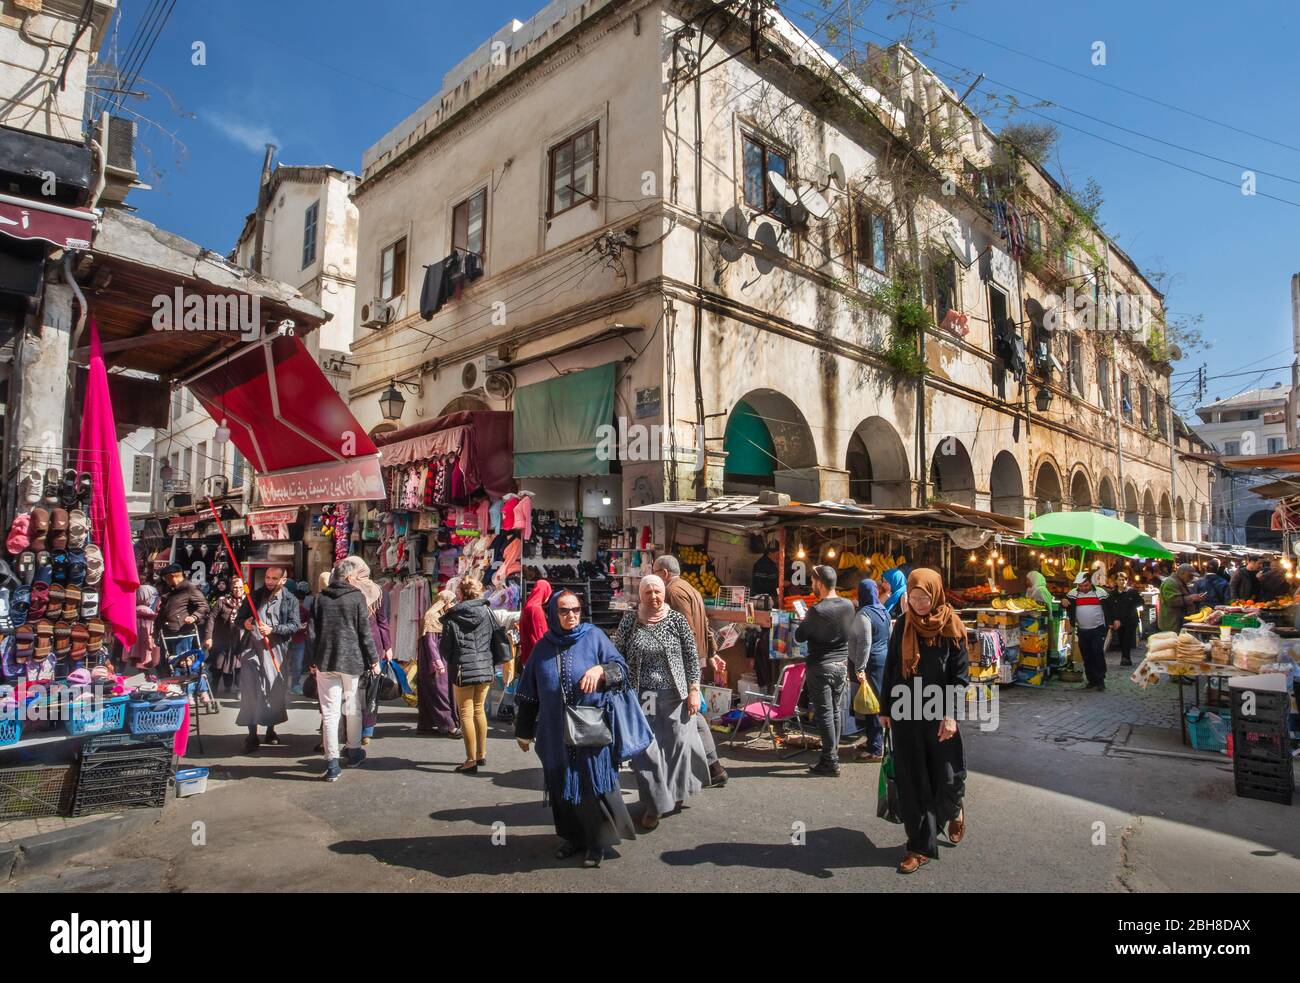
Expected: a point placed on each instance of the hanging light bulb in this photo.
(830, 552)
(800, 555)
(989, 561)
(972, 558)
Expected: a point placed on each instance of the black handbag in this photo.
(309, 688)
(502, 650)
(583, 726)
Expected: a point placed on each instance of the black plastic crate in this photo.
(1265, 792)
(36, 791)
(1258, 745)
(1267, 771)
(136, 794)
(1270, 707)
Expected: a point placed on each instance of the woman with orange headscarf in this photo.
(927, 656)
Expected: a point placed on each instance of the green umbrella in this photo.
(1093, 531)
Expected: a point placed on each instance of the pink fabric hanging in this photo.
(98, 456)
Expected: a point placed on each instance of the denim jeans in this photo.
(825, 683)
(297, 650)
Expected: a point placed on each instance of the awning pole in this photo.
(230, 553)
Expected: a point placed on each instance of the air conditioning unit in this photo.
(376, 313)
(474, 373)
(499, 384)
(218, 485)
(116, 136)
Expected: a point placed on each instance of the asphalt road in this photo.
(1042, 814)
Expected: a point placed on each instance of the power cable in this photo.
(137, 45)
(149, 51)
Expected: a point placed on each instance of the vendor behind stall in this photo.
(766, 568)
(1037, 591)
(1214, 585)
(1177, 598)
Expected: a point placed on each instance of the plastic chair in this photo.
(780, 707)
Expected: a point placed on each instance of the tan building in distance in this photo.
(753, 316)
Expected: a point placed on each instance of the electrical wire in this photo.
(149, 51)
(136, 48)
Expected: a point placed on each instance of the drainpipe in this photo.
(1121, 502)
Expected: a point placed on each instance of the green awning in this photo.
(558, 425)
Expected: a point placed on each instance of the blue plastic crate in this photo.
(162, 717)
(98, 717)
(1207, 729)
(11, 731)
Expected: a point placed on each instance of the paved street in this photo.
(1038, 789)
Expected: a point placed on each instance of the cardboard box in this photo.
(719, 700)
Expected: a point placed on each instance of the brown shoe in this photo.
(957, 828)
(869, 758)
(650, 820)
(911, 862)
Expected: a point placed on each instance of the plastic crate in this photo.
(191, 781)
(1207, 730)
(1260, 746)
(36, 791)
(11, 731)
(1268, 791)
(1270, 706)
(97, 717)
(147, 793)
(162, 717)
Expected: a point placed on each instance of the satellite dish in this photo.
(813, 202)
(958, 248)
(733, 220)
(784, 189)
(837, 174)
(766, 236)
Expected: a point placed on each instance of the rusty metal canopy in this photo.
(133, 262)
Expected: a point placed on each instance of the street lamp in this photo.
(391, 403)
(1043, 399)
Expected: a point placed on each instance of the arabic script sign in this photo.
(355, 480)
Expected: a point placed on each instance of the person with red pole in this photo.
(270, 618)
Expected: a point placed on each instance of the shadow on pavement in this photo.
(824, 852)
(464, 856)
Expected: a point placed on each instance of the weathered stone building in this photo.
(767, 251)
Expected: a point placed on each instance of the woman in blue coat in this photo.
(576, 664)
(867, 650)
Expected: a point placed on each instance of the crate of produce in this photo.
(97, 716)
(161, 717)
(1032, 661)
(1031, 677)
(1033, 644)
(36, 791)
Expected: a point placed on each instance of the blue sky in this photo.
(324, 80)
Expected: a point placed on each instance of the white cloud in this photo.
(251, 136)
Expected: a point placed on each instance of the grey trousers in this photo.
(706, 738)
(825, 683)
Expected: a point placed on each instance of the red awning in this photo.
(26, 218)
(285, 417)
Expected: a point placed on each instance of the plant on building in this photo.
(901, 301)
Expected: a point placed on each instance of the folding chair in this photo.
(778, 708)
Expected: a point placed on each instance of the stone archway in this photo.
(1150, 519)
(1047, 489)
(1132, 509)
(952, 476)
(1180, 521)
(465, 404)
(1007, 486)
(1106, 495)
(1166, 514)
(1080, 492)
(1259, 531)
(1205, 523)
(877, 465)
(765, 433)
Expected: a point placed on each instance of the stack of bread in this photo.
(1163, 646)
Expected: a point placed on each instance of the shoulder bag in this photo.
(583, 726)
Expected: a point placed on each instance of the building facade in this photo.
(803, 281)
(1252, 422)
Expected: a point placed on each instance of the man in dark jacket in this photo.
(263, 683)
(182, 610)
(466, 648)
(1245, 582)
(340, 647)
(827, 630)
(1123, 609)
(1214, 585)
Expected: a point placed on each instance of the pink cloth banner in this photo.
(110, 523)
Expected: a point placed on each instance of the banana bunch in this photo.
(1200, 615)
(1008, 573)
(873, 565)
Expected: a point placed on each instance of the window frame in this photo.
(1104, 381)
(1034, 232)
(555, 148)
(1231, 448)
(465, 203)
(865, 207)
(310, 224)
(1126, 396)
(773, 204)
(1281, 445)
(1078, 380)
(405, 254)
(1144, 403)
